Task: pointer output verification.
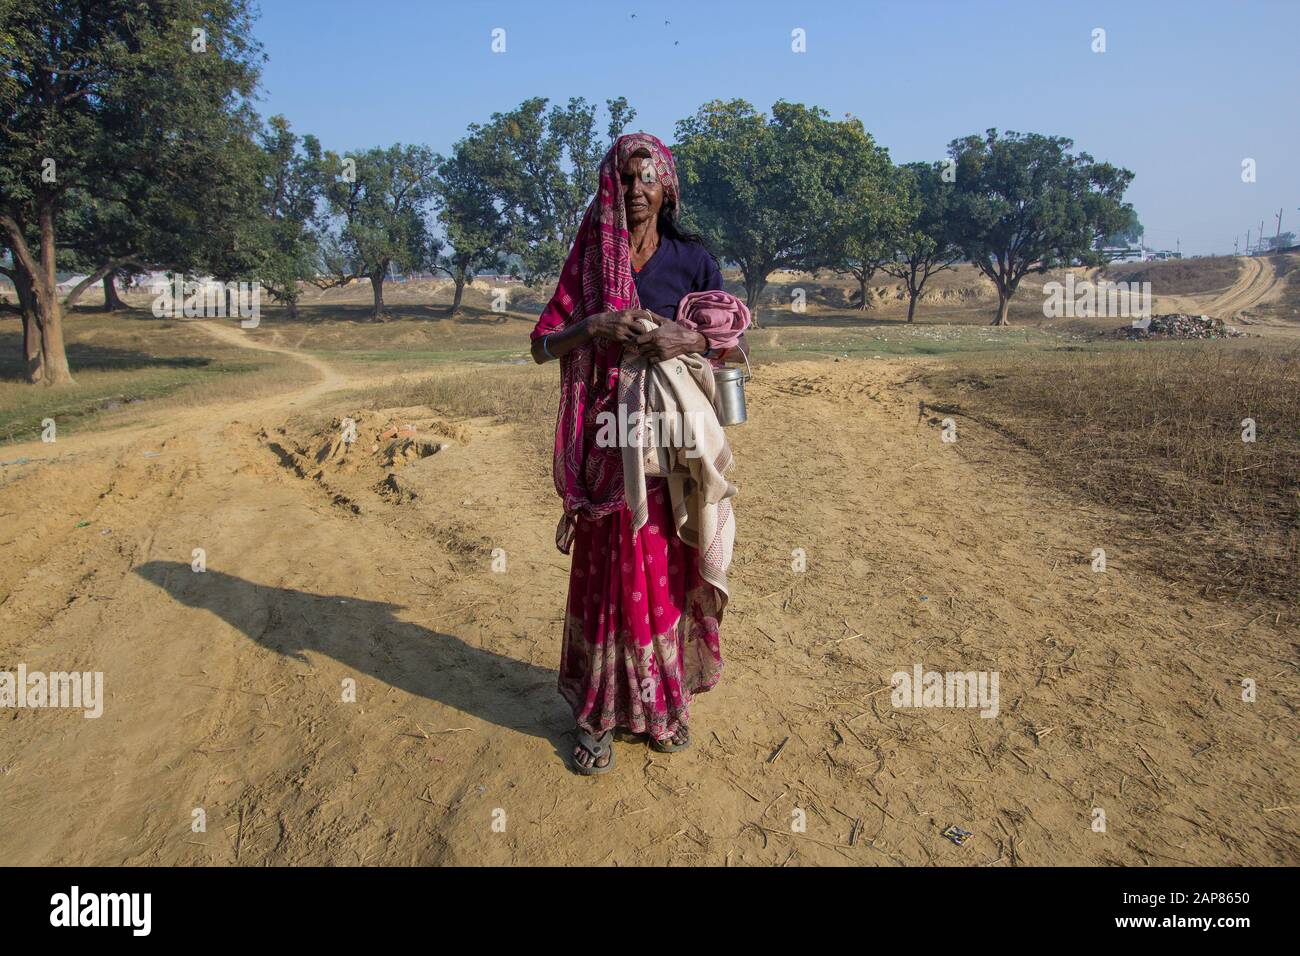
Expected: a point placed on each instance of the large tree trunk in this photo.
(49, 310)
(54, 356)
(460, 291)
(33, 356)
(380, 314)
(44, 356)
(911, 304)
(862, 291)
(33, 365)
(292, 306)
(111, 301)
(1004, 304)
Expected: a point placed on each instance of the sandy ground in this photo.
(224, 689)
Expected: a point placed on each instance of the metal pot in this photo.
(729, 393)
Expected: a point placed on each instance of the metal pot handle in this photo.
(748, 368)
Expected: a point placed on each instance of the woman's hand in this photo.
(622, 326)
(669, 340)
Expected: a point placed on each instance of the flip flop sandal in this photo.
(597, 747)
(666, 746)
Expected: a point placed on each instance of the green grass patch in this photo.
(414, 359)
(125, 363)
(99, 394)
(805, 342)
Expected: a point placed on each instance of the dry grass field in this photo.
(1156, 434)
(1121, 691)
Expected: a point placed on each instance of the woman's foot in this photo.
(680, 740)
(593, 755)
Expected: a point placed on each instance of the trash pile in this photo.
(1178, 325)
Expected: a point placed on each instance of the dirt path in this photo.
(1256, 281)
(225, 687)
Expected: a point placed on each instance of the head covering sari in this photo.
(597, 277)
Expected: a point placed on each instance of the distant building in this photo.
(1124, 253)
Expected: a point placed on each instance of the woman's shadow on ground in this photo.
(369, 638)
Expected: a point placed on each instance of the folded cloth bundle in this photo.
(686, 446)
(718, 315)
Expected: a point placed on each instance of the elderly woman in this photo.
(641, 628)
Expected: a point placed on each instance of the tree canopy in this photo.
(923, 240)
(766, 193)
(1025, 203)
(541, 168)
(131, 144)
(379, 203)
(103, 106)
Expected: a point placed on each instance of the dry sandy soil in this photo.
(224, 689)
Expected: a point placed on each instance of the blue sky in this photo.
(1184, 92)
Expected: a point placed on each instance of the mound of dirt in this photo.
(362, 446)
(395, 489)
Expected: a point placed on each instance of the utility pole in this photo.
(1235, 241)
(1247, 242)
(1277, 241)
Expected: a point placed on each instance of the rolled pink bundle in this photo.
(719, 316)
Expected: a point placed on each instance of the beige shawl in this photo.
(682, 441)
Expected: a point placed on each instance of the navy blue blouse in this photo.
(676, 269)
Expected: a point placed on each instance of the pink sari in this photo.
(641, 625)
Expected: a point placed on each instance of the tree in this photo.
(93, 94)
(292, 184)
(762, 191)
(98, 236)
(922, 243)
(26, 308)
(542, 171)
(1024, 203)
(872, 212)
(163, 217)
(530, 188)
(1127, 234)
(476, 231)
(573, 138)
(112, 301)
(243, 245)
(379, 199)
(620, 115)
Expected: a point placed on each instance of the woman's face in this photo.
(643, 194)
